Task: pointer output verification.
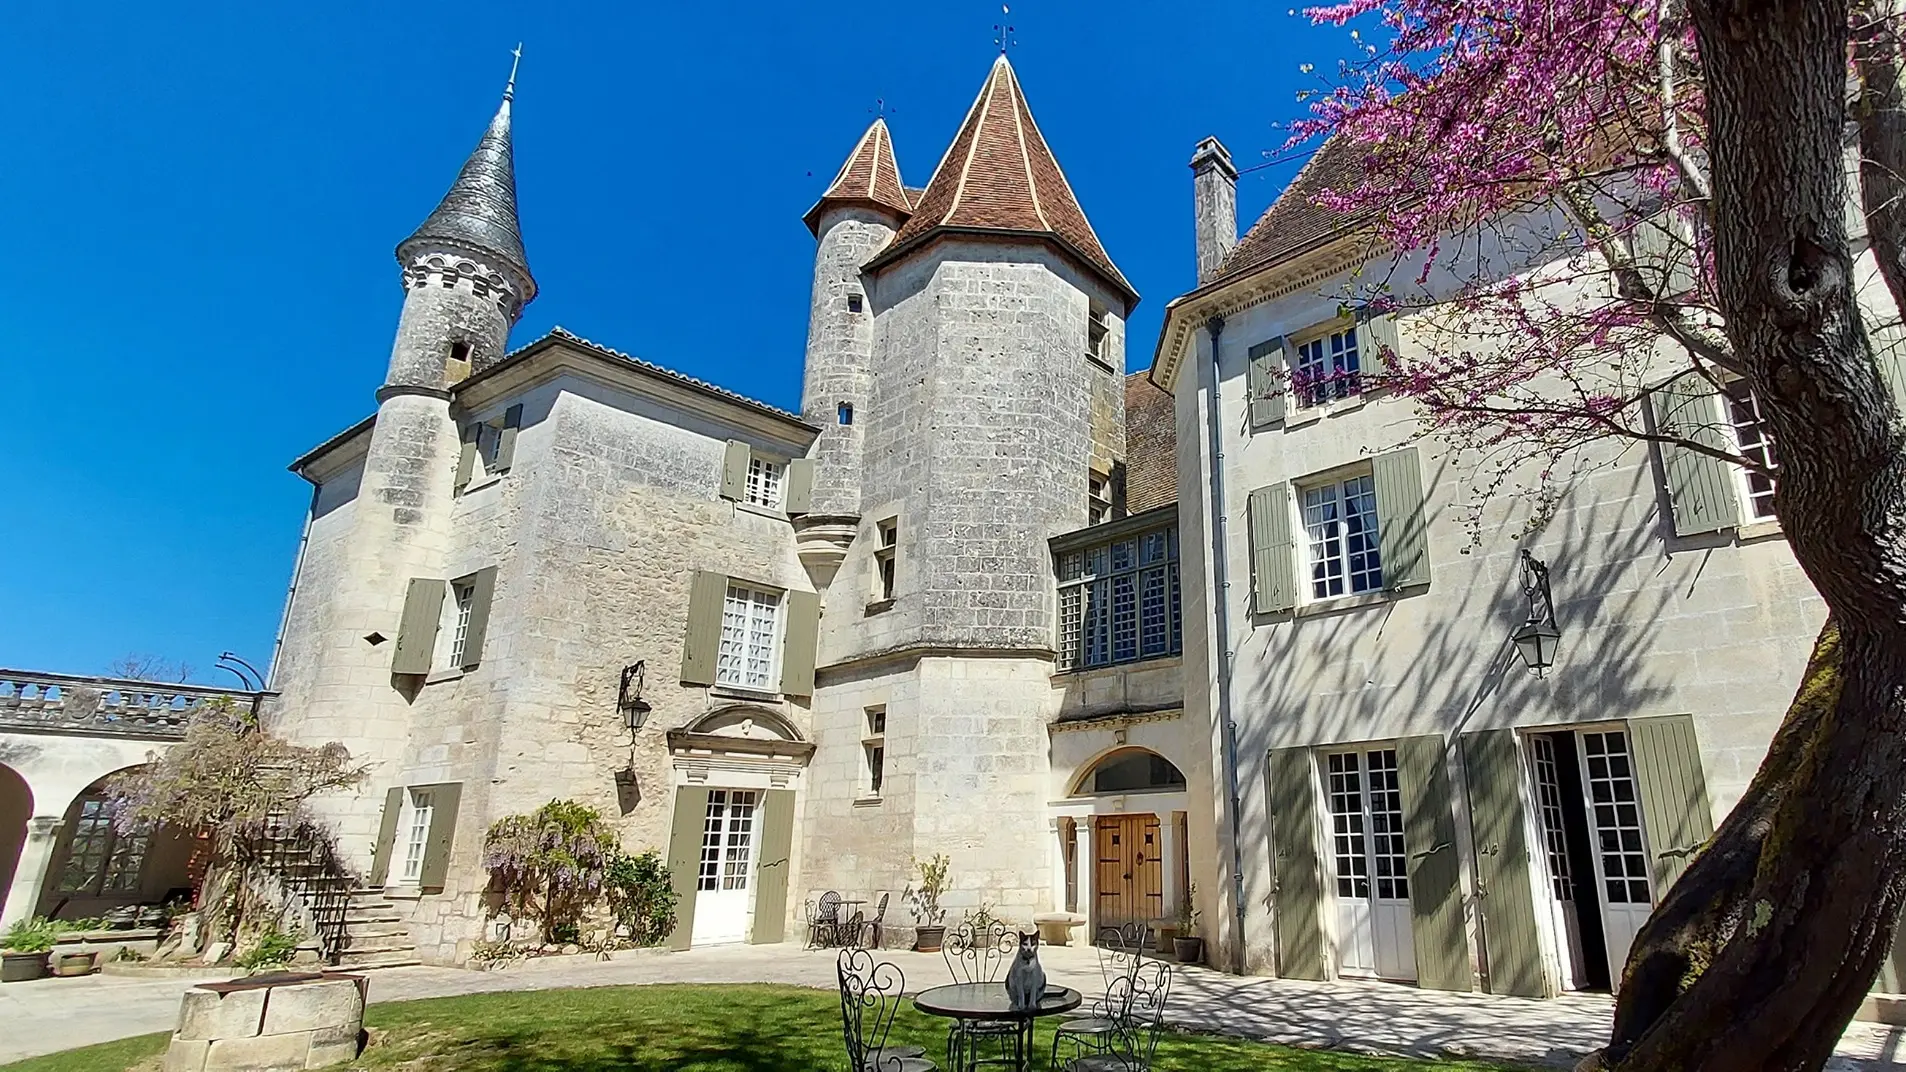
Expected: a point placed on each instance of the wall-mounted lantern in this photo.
(635, 710)
(1537, 638)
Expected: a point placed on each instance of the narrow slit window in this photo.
(846, 412)
(884, 558)
(853, 303)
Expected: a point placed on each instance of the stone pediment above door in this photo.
(741, 730)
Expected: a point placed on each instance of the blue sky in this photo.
(201, 203)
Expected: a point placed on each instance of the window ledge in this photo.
(878, 606)
(764, 511)
(1760, 530)
(1312, 414)
(437, 676)
(867, 800)
(482, 482)
(1100, 362)
(1343, 603)
(743, 692)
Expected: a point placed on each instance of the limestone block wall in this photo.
(442, 306)
(854, 841)
(317, 572)
(840, 344)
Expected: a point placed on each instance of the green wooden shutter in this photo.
(444, 799)
(1273, 562)
(1377, 343)
(800, 494)
(1700, 487)
(1290, 782)
(684, 859)
(466, 457)
(417, 632)
(798, 639)
(1663, 255)
(386, 835)
(1888, 339)
(1402, 534)
(1436, 882)
(1264, 379)
(707, 594)
(1674, 805)
(734, 470)
(482, 590)
(1512, 948)
(506, 441)
(771, 875)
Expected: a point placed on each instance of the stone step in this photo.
(377, 948)
(372, 934)
(374, 965)
(353, 918)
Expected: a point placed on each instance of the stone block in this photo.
(261, 1053)
(326, 1054)
(185, 1055)
(322, 1005)
(208, 1014)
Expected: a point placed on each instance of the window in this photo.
(1118, 601)
(889, 533)
(873, 749)
(727, 841)
(853, 303)
(489, 439)
(1097, 331)
(1366, 825)
(876, 721)
(465, 595)
(1340, 519)
(417, 834)
(1756, 443)
(750, 624)
(876, 759)
(845, 411)
(1135, 772)
(1328, 368)
(457, 368)
(1098, 495)
(764, 483)
(100, 859)
(1611, 790)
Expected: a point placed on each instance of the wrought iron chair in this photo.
(978, 955)
(1141, 998)
(822, 924)
(1121, 953)
(873, 925)
(870, 995)
(847, 932)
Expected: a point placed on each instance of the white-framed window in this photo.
(1118, 601)
(873, 750)
(465, 595)
(1328, 367)
(489, 439)
(884, 556)
(417, 834)
(100, 859)
(1098, 497)
(1756, 443)
(765, 479)
(1340, 525)
(750, 638)
(1097, 331)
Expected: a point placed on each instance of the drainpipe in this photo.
(1221, 610)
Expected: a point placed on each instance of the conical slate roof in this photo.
(480, 210)
(998, 175)
(870, 176)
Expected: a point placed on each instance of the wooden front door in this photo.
(1128, 878)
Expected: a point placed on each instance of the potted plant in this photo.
(923, 901)
(24, 948)
(1185, 942)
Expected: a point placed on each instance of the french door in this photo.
(1620, 852)
(1373, 931)
(1551, 808)
(724, 883)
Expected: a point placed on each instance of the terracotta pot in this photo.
(1188, 950)
(71, 964)
(928, 939)
(19, 967)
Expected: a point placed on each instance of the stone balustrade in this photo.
(104, 706)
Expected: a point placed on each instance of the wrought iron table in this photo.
(988, 1002)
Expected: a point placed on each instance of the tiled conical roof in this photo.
(998, 175)
(870, 176)
(480, 209)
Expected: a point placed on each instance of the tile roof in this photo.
(1295, 221)
(480, 209)
(870, 176)
(999, 175)
(1151, 445)
(560, 332)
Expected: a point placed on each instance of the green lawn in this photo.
(681, 1029)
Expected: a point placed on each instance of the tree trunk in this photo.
(1800, 935)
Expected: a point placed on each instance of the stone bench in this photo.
(269, 1023)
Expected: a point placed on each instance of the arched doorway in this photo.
(16, 807)
(1123, 834)
(97, 866)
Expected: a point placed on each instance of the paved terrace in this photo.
(1374, 1018)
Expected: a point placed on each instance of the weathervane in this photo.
(509, 91)
(1002, 31)
(880, 107)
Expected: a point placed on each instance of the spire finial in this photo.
(1003, 33)
(509, 90)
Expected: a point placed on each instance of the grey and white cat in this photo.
(1026, 980)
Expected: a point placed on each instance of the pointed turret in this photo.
(998, 175)
(479, 212)
(869, 177)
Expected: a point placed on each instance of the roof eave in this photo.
(1072, 252)
(303, 463)
(813, 215)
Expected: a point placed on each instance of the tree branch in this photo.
(1882, 117)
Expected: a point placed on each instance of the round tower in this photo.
(855, 219)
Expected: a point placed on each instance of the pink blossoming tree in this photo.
(1592, 197)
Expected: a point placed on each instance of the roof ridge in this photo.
(985, 105)
(874, 151)
(1025, 151)
(559, 332)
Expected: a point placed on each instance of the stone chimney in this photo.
(1214, 185)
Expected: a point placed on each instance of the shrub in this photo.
(271, 948)
(641, 897)
(35, 935)
(550, 865)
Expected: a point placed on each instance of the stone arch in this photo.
(96, 867)
(746, 721)
(1127, 769)
(16, 807)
